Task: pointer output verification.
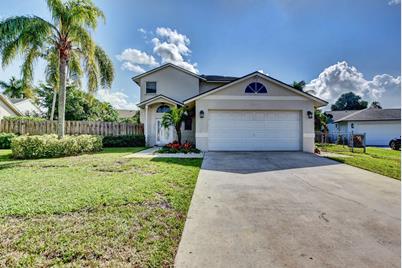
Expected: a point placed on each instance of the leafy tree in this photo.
(299, 85)
(65, 43)
(135, 119)
(320, 120)
(375, 105)
(349, 101)
(80, 106)
(175, 117)
(14, 88)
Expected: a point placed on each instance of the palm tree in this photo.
(299, 85)
(65, 43)
(13, 88)
(175, 117)
(375, 105)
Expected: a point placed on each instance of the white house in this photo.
(7, 108)
(26, 106)
(379, 125)
(250, 113)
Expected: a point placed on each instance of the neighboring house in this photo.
(126, 113)
(380, 125)
(251, 113)
(26, 106)
(7, 108)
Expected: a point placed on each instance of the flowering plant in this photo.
(175, 147)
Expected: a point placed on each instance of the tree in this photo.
(320, 120)
(14, 88)
(175, 117)
(375, 105)
(80, 105)
(299, 85)
(65, 43)
(349, 101)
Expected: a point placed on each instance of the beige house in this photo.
(251, 113)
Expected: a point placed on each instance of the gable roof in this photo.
(9, 104)
(136, 78)
(123, 113)
(371, 114)
(213, 90)
(336, 115)
(159, 96)
(218, 78)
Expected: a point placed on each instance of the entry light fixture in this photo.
(309, 114)
(201, 114)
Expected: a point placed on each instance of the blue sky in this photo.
(335, 46)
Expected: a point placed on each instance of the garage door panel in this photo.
(254, 130)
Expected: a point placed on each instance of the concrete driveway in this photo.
(287, 209)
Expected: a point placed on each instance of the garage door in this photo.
(254, 131)
(379, 133)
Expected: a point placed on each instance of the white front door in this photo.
(163, 135)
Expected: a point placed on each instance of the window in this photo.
(163, 109)
(255, 87)
(150, 87)
(188, 123)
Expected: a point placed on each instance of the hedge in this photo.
(5, 140)
(47, 146)
(124, 141)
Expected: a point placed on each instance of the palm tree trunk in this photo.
(62, 97)
(53, 104)
(178, 131)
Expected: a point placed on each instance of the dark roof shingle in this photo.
(372, 115)
(218, 78)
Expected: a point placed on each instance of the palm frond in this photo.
(105, 66)
(84, 12)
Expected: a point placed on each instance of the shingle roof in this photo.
(16, 100)
(126, 113)
(373, 115)
(218, 78)
(336, 115)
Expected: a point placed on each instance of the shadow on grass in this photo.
(113, 150)
(194, 162)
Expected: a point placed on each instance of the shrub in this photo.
(124, 141)
(26, 118)
(175, 147)
(47, 146)
(5, 140)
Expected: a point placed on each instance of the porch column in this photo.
(146, 125)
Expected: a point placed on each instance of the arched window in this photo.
(163, 109)
(256, 87)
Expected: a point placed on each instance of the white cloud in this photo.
(136, 56)
(118, 99)
(342, 78)
(132, 67)
(394, 2)
(142, 30)
(172, 47)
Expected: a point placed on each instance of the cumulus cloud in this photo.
(172, 47)
(342, 78)
(118, 99)
(132, 67)
(169, 46)
(394, 2)
(136, 56)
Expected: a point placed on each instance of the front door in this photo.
(163, 135)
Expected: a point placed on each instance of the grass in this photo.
(379, 160)
(93, 210)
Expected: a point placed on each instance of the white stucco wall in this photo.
(234, 98)
(172, 83)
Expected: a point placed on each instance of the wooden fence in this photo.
(71, 128)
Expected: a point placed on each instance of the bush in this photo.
(175, 147)
(47, 146)
(5, 140)
(124, 141)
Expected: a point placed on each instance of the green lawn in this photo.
(379, 160)
(93, 210)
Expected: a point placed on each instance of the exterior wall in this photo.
(172, 83)
(287, 105)
(5, 110)
(378, 133)
(234, 98)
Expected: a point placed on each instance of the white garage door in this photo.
(254, 131)
(379, 133)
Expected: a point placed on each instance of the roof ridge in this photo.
(349, 115)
